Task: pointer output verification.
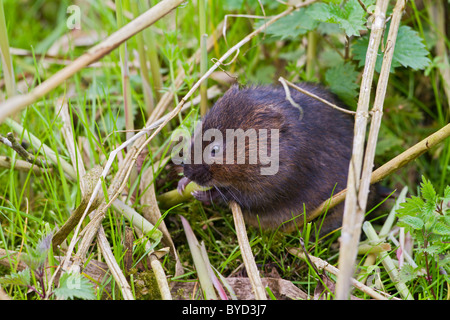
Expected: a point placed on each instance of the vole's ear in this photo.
(269, 113)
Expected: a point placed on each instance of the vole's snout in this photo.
(199, 173)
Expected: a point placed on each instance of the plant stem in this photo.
(152, 54)
(388, 263)
(145, 74)
(204, 55)
(8, 69)
(17, 103)
(429, 277)
(352, 217)
(126, 86)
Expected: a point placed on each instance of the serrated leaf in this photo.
(447, 193)
(342, 81)
(408, 273)
(412, 206)
(441, 229)
(350, 17)
(413, 222)
(292, 26)
(433, 249)
(427, 190)
(74, 285)
(36, 257)
(409, 51)
(21, 278)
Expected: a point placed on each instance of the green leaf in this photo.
(350, 17)
(447, 194)
(21, 278)
(408, 273)
(292, 26)
(409, 51)
(427, 190)
(342, 81)
(413, 222)
(412, 206)
(433, 249)
(74, 285)
(441, 229)
(36, 257)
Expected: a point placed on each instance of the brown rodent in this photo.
(314, 154)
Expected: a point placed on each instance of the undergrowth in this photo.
(34, 203)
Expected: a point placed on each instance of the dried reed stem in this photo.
(17, 103)
(246, 252)
(389, 167)
(356, 201)
(323, 265)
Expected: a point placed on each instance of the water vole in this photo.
(305, 155)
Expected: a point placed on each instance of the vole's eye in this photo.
(214, 150)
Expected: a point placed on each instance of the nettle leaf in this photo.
(441, 228)
(427, 190)
(433, 249)
(412, 206)
(350, 17)
(292, 26)
(36, 257)
(409, 51)
(341, 81)
(447, 193)
(74, 285)
(21, 278)
(410, 221)
(408, 273)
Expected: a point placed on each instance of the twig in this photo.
(87, 185)
(165, 100)
(389, 167)
(124, 171)
(388, 263)
(321, 264)
(21, 165)
(249, 16)
(289, 97)
(436, 12)
(160, 277)
(355, 202)
(17, 103)
(312, 95)
(11, 142)
(246, 252)
(7, 65)
(43, 149)
(199, 262)
(363, 6)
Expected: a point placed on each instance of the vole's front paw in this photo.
(182, 184)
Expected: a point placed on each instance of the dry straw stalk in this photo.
(358, 190)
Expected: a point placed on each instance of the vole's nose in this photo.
(199, 173)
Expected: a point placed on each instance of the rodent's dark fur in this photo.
(313, 159)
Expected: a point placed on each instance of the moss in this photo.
(146, 286)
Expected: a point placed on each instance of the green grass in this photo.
(31, 205)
